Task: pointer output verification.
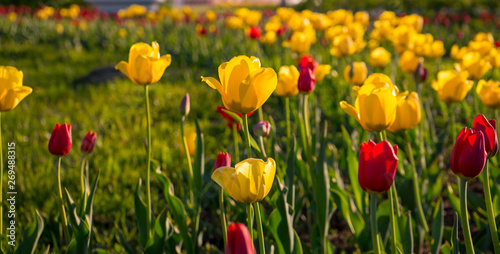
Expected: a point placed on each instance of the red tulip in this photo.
(238, 240)
(230, 121)
(60, 140)
(254, 32)
(223, 160)
(307, 81)
(307, 62)
(489, 130)
(88, 142)
(377, 166)
(469, 154)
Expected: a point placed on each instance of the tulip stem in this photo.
(188, 158)
(464, 216)
(261, 115)
(489, 208)
(374, 226)
(82, 175)
(235, 140)
(393, 220)
(262, 246)
(223, 216)
(416, 188)
(148, 175)
(306, 119)
(262, 147)
(61, 204)
(250, 220)
(1, 178)
(287, 113)
(247, 135)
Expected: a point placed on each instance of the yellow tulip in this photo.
(320, 21)
(211, 16)
(389, 16)
(414, 21)
(269, 38)
(436, 49)
(244, 86)
(341, 17)
(476, 65)
(12, 90)
(145, 66)
(252, 18)
(375, 109)
(343, 45)
(379, 57)
(373, 82)
(452, 86)
(321, 72)
(409, 61)
(458, 53)
(284, 13)
(300, 43)
(407, 113)
(355, 73)
(494, 58)
(233, 22)
(288, 77)
(489, 93)
(362, 17)
(249, 181)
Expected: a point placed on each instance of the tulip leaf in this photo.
(285, 228)
(141, 214)
(31, 236)
(322, 188)
(235, 116)
(275, 220)
(437, 226)
(157, 243)
(297, 244)
(290, 172)
(446, 248)
(454, 200)
(80, 227)
(352, 166)
(199, 161)
(123, 242)
(408, 236)
(353, 218)
(454, 234)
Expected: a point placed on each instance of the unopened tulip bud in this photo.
(307, 81)
(262, 128)
(377, 166)
(223, 160)
(469, 154)
(88, 142)
(239, 240)
(60, 141)
(185, 105)
(420, 73)
(489, 130)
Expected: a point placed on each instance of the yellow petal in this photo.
(138, 49)
(13, 97)
(142, 73)
(159, 66)
(10, 77)
(256, 89)
(123, 68)
(350, 110)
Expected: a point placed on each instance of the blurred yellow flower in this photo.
(436, 49)
(241, 12)
(341, 17)
(59, 28)
(300, 42)
(12, 90)
(187, 11)
(489, 93)
(343, 45)
(408, 62)
(355, 73)
(252, 18)
(211, 16)
(320, 21)
(122, 33)
(284, 13)
(269, 38)
(408, 112)
(191, 142)
(321, 71)
(145, 66)
(249, 181)
(234, 22)
(494, 58)
(12, 16)
(362, 17)
(457, 53)
(476, 65)
(451, 85)
(288, 77)
(413, 20)
(379, 57)
(245, 85)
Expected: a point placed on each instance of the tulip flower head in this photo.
(408, 112)
(420, 73)
(469, 154)
(245, 85)
(377, 166)
(321, 72)
(60, 141)
(223, 160)
(88, 142)
(262, 128)
(355, 73)
(379, 57)
(238, 240)
(249, 181)
(12, 90)
(185, 105)
(489, 130)
(409, 61)
(489, 93)
(254, 32)
(307, 62)
(288, 78)
(307, 81)
(145, 66)
(452, 86)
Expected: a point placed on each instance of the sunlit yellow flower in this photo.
(389, 16)
(476, 65)
(12, 16)
(234, 22)
(494, 58)
(356, 30)
(489, 93)
(452, 86)
(408, 62)
(249, 181)
(300, 42)
(436, 49)
(321, 71)
(211, 16)
(341, 17)
(285, 13)
(241, 12)
(408, 112)
(401, 37)
(362, 17)
(187, 10)
(375, 109)
(12, 90)
(484, 37)
(74, 11)
(122, 33)
(145, 66)
(458, 53)
(320, 21)
(245, 85)
(373, 82)
(252, 18)
(269, 38)
(343, 45)
(273, 25)
(175, 15)
(414, 21)
(379, 57)
(288, 77)
(355, 73)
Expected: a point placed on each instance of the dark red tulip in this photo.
(307, 81)
(489, 130)
(223, 160)
(377, 166)
(255, 32)
(230, 121)
(88, 142)
(238, 240)
(420, 73)
(307, 62)
(60, 140)
(469, 154)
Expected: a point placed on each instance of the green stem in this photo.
(393, 221)
(188, 158)
(464, 217)
(287, 113)
(64, 220)
(262, 247)
(148, 173)
(394, 194)
(374, 226)
(223, 216)
(235, 140)
(250, 220)
(82, 175)
(306, 118)
(452, 124)
(247, 135)
(261, 115)
(489, 208)
(416, 188)
(262, 147)
(1, 178)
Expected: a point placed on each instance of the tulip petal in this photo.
(257, 88)
(159, 66)
(123, 68)
(13, 97)
(142, 72)
(138, 49)
(350, 110)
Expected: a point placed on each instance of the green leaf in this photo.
(79, 226)
(235, 116)
(156, 244)
(275, 220)
(446, 248)
(124, 242)
(437, 226)
(31, 236)
(454, 200)
(290, 172)
(285, 228)
(352, 166)
(297, 244)
(454, 235)
(141, 214)
(408, 237)
(322, 188)
(199, 160)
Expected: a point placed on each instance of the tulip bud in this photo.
(307, 81)
(469, 154)
(489, 130)
(185, 105)
(420, 73)
(223, 160)
(238, 240)
(60, 140)
(255, 32)
(88, 142)
(377, 166)
(308, 62)
(262, 128)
